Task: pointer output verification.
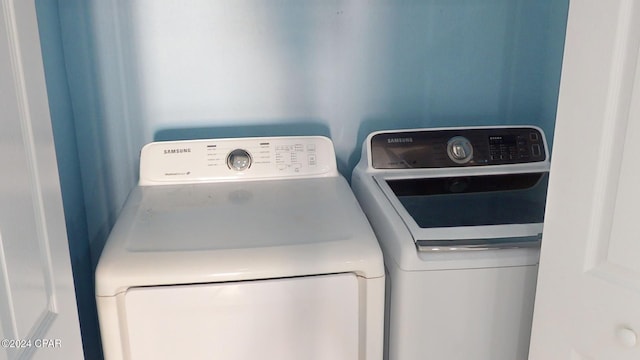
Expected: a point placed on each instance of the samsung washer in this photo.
(459, 215)
(250, 248)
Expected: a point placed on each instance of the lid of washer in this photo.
(251, 217)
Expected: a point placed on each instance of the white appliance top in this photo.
(213, 224)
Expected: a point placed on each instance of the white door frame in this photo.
(38, 313)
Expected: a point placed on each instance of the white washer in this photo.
(459, 214)
(250, 248)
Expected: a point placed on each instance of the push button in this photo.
(535, 150)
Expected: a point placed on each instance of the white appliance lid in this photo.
(237, 230)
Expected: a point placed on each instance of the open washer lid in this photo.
(471, 188)
(202, 232)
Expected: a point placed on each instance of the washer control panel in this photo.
(456, 147)
(195, 161)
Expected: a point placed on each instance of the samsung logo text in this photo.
(177, 151)
(399, 140)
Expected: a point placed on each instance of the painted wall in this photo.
(67, 154)
(124, 73)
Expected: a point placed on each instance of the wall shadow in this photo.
(276, 127)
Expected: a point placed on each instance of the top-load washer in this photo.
(459, 215)
(250, 248)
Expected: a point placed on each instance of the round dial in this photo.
(239, 160)
(459, 149)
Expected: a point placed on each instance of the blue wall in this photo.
(64, 132)
(124, 73)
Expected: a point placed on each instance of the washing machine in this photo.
(459, 215)
(251, 248)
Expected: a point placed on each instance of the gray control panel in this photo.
(439, 148)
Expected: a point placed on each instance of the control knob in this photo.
(459, 149)
(239, 160)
